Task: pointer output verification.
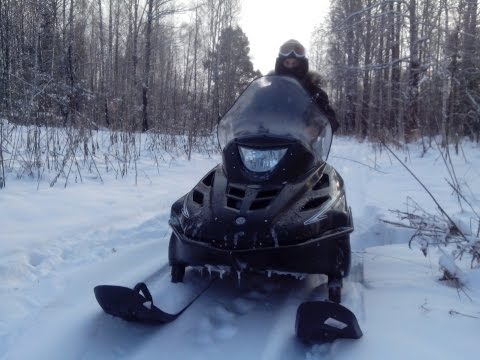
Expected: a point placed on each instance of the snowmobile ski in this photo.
(137, 304)
(325, 321)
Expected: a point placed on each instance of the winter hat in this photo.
(295, 50)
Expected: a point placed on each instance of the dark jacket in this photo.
(311, 81)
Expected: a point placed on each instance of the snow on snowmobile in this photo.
(273, 205)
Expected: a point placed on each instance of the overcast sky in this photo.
(269, 23)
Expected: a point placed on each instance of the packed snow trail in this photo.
(260, 309)
(64, 326)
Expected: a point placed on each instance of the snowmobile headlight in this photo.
(261, 160)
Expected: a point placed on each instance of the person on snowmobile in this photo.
(292, 61)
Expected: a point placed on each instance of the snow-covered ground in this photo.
(57, 243)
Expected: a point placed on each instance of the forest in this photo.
(392, 68)
(395, 70)
(403, 69)
(121, 64)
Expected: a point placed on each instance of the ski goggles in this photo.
(294, 48)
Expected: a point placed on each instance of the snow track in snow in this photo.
(261, 311)
(64, 272)
(257, 308)
(71, 314)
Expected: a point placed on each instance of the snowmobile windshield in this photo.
(277, 106)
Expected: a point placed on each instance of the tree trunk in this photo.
(414, 71)
(102, 75)
(146, 74)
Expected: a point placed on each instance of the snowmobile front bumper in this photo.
(328, 254)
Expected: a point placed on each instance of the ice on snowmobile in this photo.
(273, 204)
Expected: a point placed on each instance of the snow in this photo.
(57, 243)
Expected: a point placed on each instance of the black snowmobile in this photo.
(274, 204)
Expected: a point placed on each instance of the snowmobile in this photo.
(273, 205)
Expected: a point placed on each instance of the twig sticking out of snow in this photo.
(453, 312)
(424, 307)
(451, 272)
(439, 229)
(359, 162)
(440, 208)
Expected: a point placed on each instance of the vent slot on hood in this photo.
(197, 197)
(268, 193)
(323, 183)
(235, 196)
(315, 203)
(208, 180)
(264, 198)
